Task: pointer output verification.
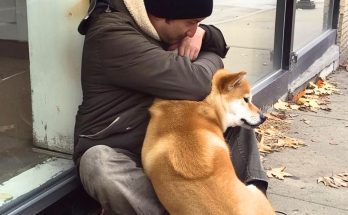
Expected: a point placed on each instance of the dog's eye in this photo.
(246, 99)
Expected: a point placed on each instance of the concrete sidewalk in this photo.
(326, 154)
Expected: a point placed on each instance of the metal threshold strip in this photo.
(43, 196)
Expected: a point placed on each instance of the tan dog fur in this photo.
(187, 159)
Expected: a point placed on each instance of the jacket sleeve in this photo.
(214, 41)
(128, 59)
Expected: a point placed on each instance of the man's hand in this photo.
(190, 46)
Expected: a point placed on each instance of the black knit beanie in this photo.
(179, 9)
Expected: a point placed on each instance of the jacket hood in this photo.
(138, 11)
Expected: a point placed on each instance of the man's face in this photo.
(174, 30)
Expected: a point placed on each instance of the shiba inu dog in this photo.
(187, 159)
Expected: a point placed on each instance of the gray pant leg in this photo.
(114, 178)
(245, 155)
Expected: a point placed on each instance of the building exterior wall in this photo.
(55, 57)
(342, 30)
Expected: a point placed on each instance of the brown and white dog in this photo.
(187, 159)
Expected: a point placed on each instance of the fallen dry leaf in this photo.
(335, 181)
(323, 88)
(271, 131)
(278, 173)
(299, 95)
(280, 105)
(320, 82)
(311, 96)
(339, 182)
(311, 103)
(343, 176)
(323, 101)
(330, 88)
(294, 107)
(276, 115)
(271, 135)
(293, 115)
(289, 142)
(325, 109)
(314, 96)
(327, 181)
(263, 148)
(312, 85)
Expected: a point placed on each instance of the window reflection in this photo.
(248, 27)
(16, 153)
(312, 18)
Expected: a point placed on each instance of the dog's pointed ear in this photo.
(231, 80)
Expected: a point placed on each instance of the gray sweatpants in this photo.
(114, 177)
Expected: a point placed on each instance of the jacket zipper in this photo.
(92, 136)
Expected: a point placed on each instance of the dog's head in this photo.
(231, 95)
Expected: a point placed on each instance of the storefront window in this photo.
(40, 91)
(248, 27)
(312, 18)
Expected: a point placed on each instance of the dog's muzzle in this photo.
(262, 119)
